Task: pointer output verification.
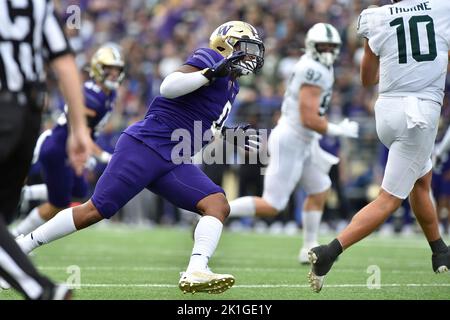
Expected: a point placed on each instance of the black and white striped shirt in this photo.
(30, 34)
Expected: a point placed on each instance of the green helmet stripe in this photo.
(329, 32)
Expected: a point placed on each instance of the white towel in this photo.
(413, 115)
(321, 158)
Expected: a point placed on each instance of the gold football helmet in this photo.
(108, 55)
(239, 36)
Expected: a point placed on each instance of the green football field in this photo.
(116, 262)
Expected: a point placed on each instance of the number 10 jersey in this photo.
(412, 39)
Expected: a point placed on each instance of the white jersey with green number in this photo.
(412, 39)
(307, 71)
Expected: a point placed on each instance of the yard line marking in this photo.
(267, 286)
(122, 285)
(242, 269)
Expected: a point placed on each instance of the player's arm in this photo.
(100, 154)
(97, 151)
(63, 63)
(70, 84)
(189, 78)
(184, 80)
(309, 97)
(69, 81)
(370, 66)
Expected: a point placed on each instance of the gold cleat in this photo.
(315, 281)
(205, 281)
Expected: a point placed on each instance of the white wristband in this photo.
(334, 129)
(105, 157)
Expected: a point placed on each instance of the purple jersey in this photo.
(97, 100)
(61, 181)
(209, 104)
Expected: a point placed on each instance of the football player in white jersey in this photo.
(296, 157)
(405, 51)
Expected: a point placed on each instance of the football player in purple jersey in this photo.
(196, 97)
(106, 74)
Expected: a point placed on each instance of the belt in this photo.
(19, 98)
(33, 95)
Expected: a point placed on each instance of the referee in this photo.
(31, 36)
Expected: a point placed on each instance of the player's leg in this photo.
(250, 206)
(76, 186)
(281, 176)
(35, 192)
(37, 217)
(125, 176)
(362, 224)
(311, 218)
(59, 178)
(189, 188)
(79, 186)
(409, 151)
(18, 272)
(423, 207)
(427, 217)
(316, 182)
(20, 132)
(404, 165)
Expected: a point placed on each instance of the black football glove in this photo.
(223, 67)
(243, 137)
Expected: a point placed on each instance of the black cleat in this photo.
(321, 262)
(441, 261)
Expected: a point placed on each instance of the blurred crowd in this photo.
(157, 37)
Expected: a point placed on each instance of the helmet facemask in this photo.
(327, 53)
(254, 57)
(112, 84)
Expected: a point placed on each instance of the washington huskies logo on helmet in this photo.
(109, 55)
(323, 43)
(239, 36)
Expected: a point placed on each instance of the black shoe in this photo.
(321, 262)
(441, 261)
